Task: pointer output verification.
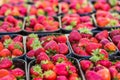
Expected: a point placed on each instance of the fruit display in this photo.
(44, 7)
(11, 46)
(114, 34)
(12, 69)
(10, 24)
(82, 7)
(86, 43)
(76, 22)
(50, 44)
(19, 10)
(107, 19)
(58, 68)
(41, 24)
(100, 69)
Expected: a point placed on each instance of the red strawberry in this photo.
(50, 75)
(92, 46)
(37, 78)
(113, 72)
(5, 37)
(105, 63)
(47, 65)
(83, 42)
(102, 35)
(105, 53)
(116, 39)
(59, 57)
(81, 52)
(118, 45)
(104, 41)
(86, 64)
(61, 69)
(74, 36)
(61, 39)
(18, 38)
(114, 33)
(38, 51)
(62, 78)
(38, 27)
(36, 71)
(74, 76)
(5, 63)
(93, 39)
(52, 47)
(17, 52)
(63, 48)
(42, 56)
(33, 21)
(30, 54)
(5, 53)
(110, 47)
(91, 75)
(1, 46)
(17, 72)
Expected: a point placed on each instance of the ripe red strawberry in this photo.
(116, 39)
(61, 69)
(30, 54)
(52, 47)
(102, 35)
(5, 63)
(38, 27)
(61, 39)
(113, 72)
(105, 53)
(58, 57)
(17, 72)
(74, 36)
(86, 64)
(104, 41)
(37, 78)
(92, 46)
(47, 65)
(38, 51)
(93, 39)
(29, 42)
(18, 38)
(5, 37)
(62, 78)
(74, 76)
(17, 52)
(50, 75)
(114, 33)
(118, 45)
(63, 48)
(36, 71)
(83, 42)
(1, 46)
(33, 21)
(42, 56)
(5, 53)
(105, 63)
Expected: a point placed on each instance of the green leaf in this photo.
(73, 23)
(20, 24)
(112, 2)
(7, 12)
(112, 23)
(33, 35)
(69, 27)
(7, 42)
(17, 46)
(85, 30)
(36, 44)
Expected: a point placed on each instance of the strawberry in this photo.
(110, 47)
(17, 52)
(36, 71)
(83, 42)
(5, 53)
(38, 51)
(3, 72)
(74, 36)
(47, 65)
(37, 78)
(114, 33)
(59, 58)
(116, 39)
(17, 72)
(102, 35)
(61, 39)
(18, 38)
(61, 78)
(50, 75)
(63, 48)
(86, 64)
(30, 54)
(118, 45)
(81, 52)
(61, 69)
(52, 47)
(92, 75)
(5, 37)
(38, 27)
(104, 41)
(5, 63)
(74, 76)
(42, 56)
(113, 72)
(1, 46)
(105, 63)
(33, 21)
(94, 46)
(93, 39)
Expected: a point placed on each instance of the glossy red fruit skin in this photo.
(105, 63)
(37, 78)
(113, 72)
(61, 39)
(63, 48)
(17, 72)
(5, 63)
(5, 53)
